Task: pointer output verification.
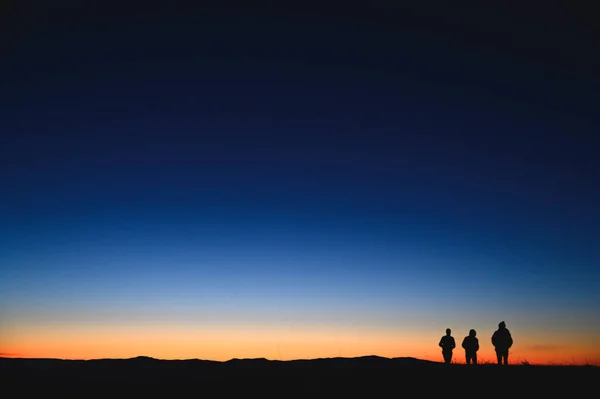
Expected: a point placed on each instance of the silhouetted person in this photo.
(447, 344)
(471, 345)
(502, 341)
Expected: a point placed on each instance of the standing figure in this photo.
(471, 345)
(502, 341)
(447, 344)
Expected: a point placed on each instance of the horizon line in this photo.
(140, 357)
(216, 361)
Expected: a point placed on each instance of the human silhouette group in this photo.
(501, 339)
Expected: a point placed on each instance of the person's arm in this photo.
(476, 344)
(509, 339)
(494, 339)
(453, 343)
(464, 343)
(441, 342)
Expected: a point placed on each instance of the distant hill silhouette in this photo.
(371, 361)
(367, 375)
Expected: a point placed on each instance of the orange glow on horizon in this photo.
(221, 345)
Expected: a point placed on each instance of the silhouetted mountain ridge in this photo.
(370, 359)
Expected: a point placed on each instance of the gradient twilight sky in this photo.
(301, 185)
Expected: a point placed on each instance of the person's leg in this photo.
(474, 358)
(506, 358)
(467, 357)
(502, 358)
(499, 357)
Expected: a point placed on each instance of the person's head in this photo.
(502, 325)
(472, 333)
(448, 331)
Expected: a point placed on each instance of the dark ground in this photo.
(372, 376)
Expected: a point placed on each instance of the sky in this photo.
(293, 184)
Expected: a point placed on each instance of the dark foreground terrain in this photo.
(372, 376)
